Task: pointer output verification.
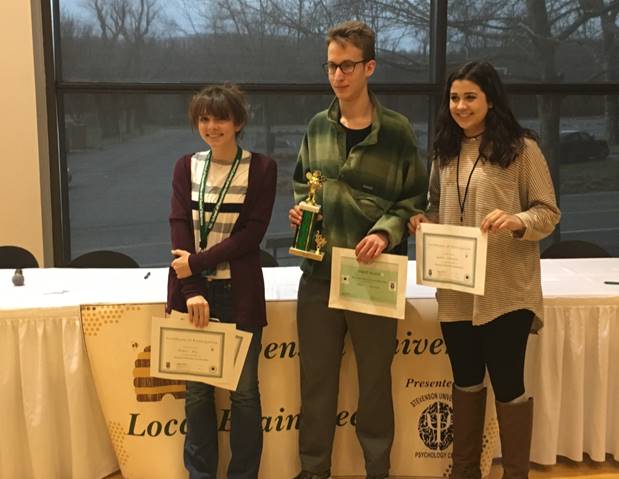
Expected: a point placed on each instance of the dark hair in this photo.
(503, 138)
(225, 102)
(357, 33)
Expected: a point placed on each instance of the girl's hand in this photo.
(498, 220)
(181, 263)
(415, 221)
(199, 311)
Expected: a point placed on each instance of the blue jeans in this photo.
(201, 450)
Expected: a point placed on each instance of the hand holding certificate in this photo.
(373, 288)
(213, 355)
(452, 257)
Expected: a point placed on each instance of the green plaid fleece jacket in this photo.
(377, 187)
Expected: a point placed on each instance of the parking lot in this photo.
(119, 197)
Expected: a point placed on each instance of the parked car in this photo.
(576, 145)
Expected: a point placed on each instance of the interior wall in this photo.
(25, 212)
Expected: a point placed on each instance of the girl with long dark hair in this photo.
(489, 172)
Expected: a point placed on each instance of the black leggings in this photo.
(499, 345)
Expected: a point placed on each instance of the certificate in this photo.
(242, 340)
(179, 350)
(376, 288)
(451, 257)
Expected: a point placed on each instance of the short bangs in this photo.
(223, 103)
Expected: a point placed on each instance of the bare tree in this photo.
(110, 16)
(546, 33)
(125, 26)
(610, 63)
(141, 17)
(535, 29)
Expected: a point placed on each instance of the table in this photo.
(52, 423)
(56, 429)
(572, 367)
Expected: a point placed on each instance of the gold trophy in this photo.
(307, 239)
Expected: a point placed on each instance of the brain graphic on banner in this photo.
(435, 426)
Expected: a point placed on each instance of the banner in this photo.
(145, 415)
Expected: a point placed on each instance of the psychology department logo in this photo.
(435, 426)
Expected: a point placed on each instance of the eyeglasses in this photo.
(346, 67)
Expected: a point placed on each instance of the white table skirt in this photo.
(572, 372)
(51, 420)
(54, 427)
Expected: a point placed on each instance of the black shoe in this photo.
(311, 475)
(377, 476)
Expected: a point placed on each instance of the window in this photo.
(241, 41)
(124, 70)
(536, 42)
(584, 167)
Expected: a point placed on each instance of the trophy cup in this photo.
(307, 239)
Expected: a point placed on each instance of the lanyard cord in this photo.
(205, 229)
(466, 190)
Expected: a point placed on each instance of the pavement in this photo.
(119, 199)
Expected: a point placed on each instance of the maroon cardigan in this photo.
(241, 249)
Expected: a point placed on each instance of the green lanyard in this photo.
(205, 229)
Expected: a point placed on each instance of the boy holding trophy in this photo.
(359, 166)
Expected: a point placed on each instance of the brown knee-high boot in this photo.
(515, 428)
(469, 411)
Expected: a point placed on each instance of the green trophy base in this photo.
(306, 254)
(307, 239)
